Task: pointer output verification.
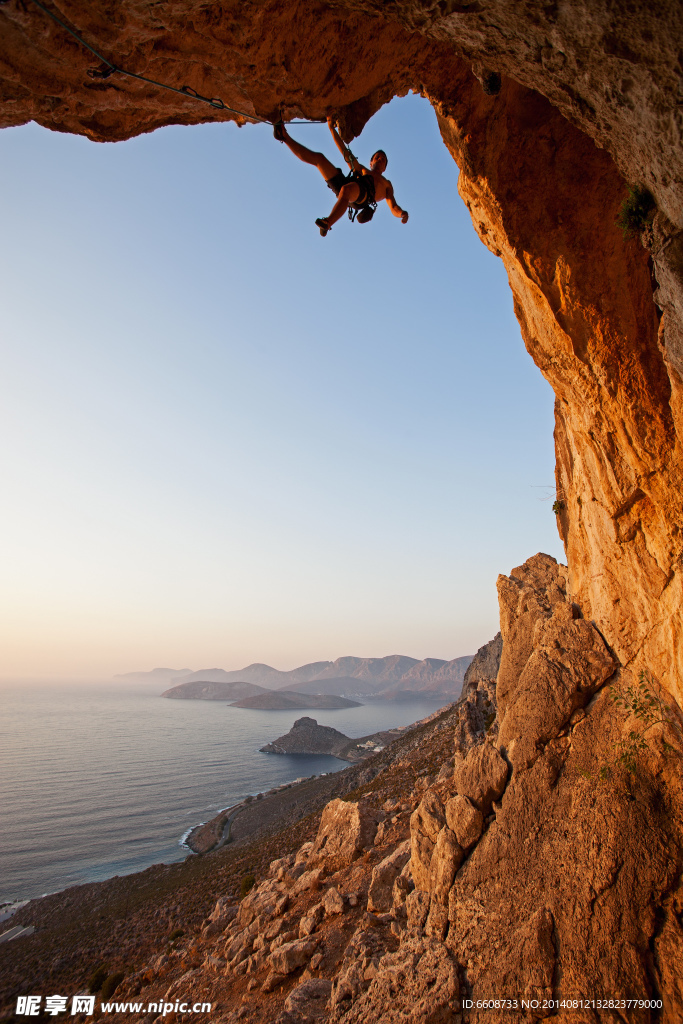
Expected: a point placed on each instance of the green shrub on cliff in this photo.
(642, 700)
(248, 883)
(636, 211)
(111, 984)
(97, 978)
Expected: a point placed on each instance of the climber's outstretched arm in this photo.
(393, 205)
(342, 147)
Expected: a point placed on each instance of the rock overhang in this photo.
(589, 100)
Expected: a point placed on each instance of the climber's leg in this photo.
(309, 156)
(347, 195)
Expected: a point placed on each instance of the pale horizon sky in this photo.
(227, 440)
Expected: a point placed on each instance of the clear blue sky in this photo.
(226, 439)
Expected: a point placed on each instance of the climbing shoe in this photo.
(279, 131)
(323, 225)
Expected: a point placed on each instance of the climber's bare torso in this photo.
(383, 187)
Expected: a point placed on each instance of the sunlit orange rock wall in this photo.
(591, 98)
(583, 297)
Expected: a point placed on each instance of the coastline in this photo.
(211, 834)
(128, 919)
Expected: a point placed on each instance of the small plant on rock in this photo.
(636, 211)
(177, 933)
(111, 984)
(643, 702)
(248, 883)
(97, 978)
(558, 506)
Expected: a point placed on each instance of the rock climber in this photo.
(361, 190)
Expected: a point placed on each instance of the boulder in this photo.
(309, 998)
(273, 981)
(465, 820)
(346, 830)
(225, 910)
(447, 857)
(303, 853)
(380, 894)
(333, 902)
(308, 880)
(260, 901)
(481, 776)
(309, 923)
(426, 822)
(222, 915)
(292, 955)
(239, 948)
(278, 868)
(429, 817)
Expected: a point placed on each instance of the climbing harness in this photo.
(109, 68)
(363, 210)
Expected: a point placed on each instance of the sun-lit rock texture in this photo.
(550, 109)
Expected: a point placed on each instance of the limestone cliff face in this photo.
(549, 109)
(549, 890)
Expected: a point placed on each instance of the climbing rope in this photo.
(186, 90)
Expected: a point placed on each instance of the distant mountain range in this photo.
(393, 678)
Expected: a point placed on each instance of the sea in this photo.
(101, 781)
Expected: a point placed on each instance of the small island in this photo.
(307, 737)
(249, 695)
(290, 700)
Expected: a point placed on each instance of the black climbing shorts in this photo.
(337, 181)
(366, 184)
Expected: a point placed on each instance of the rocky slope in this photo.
(525, 845)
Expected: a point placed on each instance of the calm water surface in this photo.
(99, 782)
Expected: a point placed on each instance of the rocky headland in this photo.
(207, 689)
(307, 737)
(283, 700)
(250, 695)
